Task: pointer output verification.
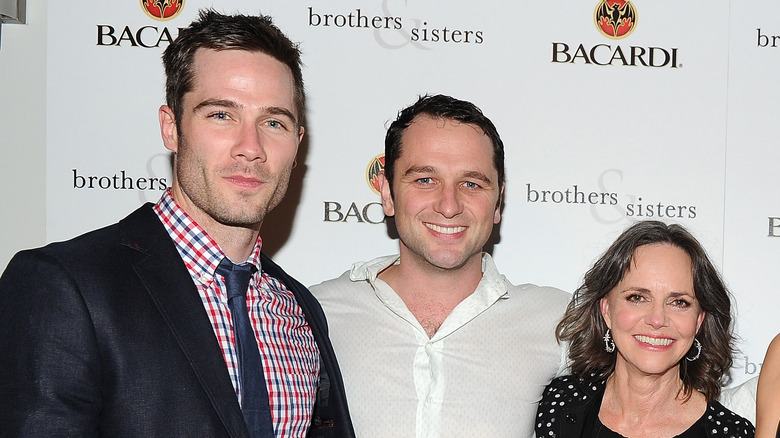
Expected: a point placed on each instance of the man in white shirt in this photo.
(434, 341)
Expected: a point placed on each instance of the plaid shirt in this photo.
(287, 347)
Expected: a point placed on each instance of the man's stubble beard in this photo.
(193, 177)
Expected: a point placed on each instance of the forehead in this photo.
(430, 139)
(242, 71)
(660, 265)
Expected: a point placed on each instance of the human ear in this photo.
(168, 130)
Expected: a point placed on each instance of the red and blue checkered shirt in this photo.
(287, 346)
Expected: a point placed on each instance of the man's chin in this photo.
(449, 262)
(240, 219)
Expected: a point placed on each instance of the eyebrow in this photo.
(635, 289)
(430, 169)
(419, 169)
(477, 175)
(645, 290)
(217, 102)
(279, 111)
(225, 103)
(681, 294)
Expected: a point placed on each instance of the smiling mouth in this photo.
(658, 342)
(445, 230)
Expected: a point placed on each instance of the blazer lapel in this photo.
(331, 415)
(173, 291)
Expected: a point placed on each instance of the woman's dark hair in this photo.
(583, 326)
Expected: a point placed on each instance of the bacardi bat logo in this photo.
(375, 167)
(615, 18)
(162, 10)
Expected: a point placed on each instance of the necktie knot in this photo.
(236, 277)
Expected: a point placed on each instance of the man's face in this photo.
(445, 193)
(237, 138)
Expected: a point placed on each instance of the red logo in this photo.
(375, 167)
(615, 18)
(162, 10)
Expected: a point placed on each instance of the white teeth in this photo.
(654, 341)
(445, 230)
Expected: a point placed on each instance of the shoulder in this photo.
(741, 399)
(563, 405)
(721, 422)
(98, 264)
(357, 278)
(331, 286)
(771, 366)
(343, 296)
(91, 254)
(547, 293)
(774, 348)
(569, 390)
(139, 231)
(546, 305)
(527, 291)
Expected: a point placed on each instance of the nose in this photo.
(449, 203)
(249, 144)
(656, 316)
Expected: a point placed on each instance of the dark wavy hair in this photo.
(444, 107)
(212, 30)
(583, 326)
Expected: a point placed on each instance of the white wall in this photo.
(695, 139)
(23, 132)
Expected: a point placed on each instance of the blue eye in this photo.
(425, 180)
(219, 115)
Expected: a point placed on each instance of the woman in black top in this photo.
(649, 335)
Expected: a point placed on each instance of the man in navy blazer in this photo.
(121, 332)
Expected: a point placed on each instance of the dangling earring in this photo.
(697, 345)
(609, 344)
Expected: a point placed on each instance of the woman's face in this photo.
(653, 312)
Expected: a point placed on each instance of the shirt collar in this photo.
(200, 253)
(491, 287)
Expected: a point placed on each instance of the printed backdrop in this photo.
(673, 118)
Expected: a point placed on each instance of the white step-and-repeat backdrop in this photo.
(673, 118)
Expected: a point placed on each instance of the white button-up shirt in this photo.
(480, 375)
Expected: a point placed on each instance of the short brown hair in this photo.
(216, 31)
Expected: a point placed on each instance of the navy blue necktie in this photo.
(254, 394)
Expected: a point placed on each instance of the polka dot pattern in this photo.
(565, 402)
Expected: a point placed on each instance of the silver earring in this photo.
(609, 344)
(696, 345)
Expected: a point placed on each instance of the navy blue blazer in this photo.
(105, 335)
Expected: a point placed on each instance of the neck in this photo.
(431, 293)
(236, 241)
(648, 406)
(637, 395)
